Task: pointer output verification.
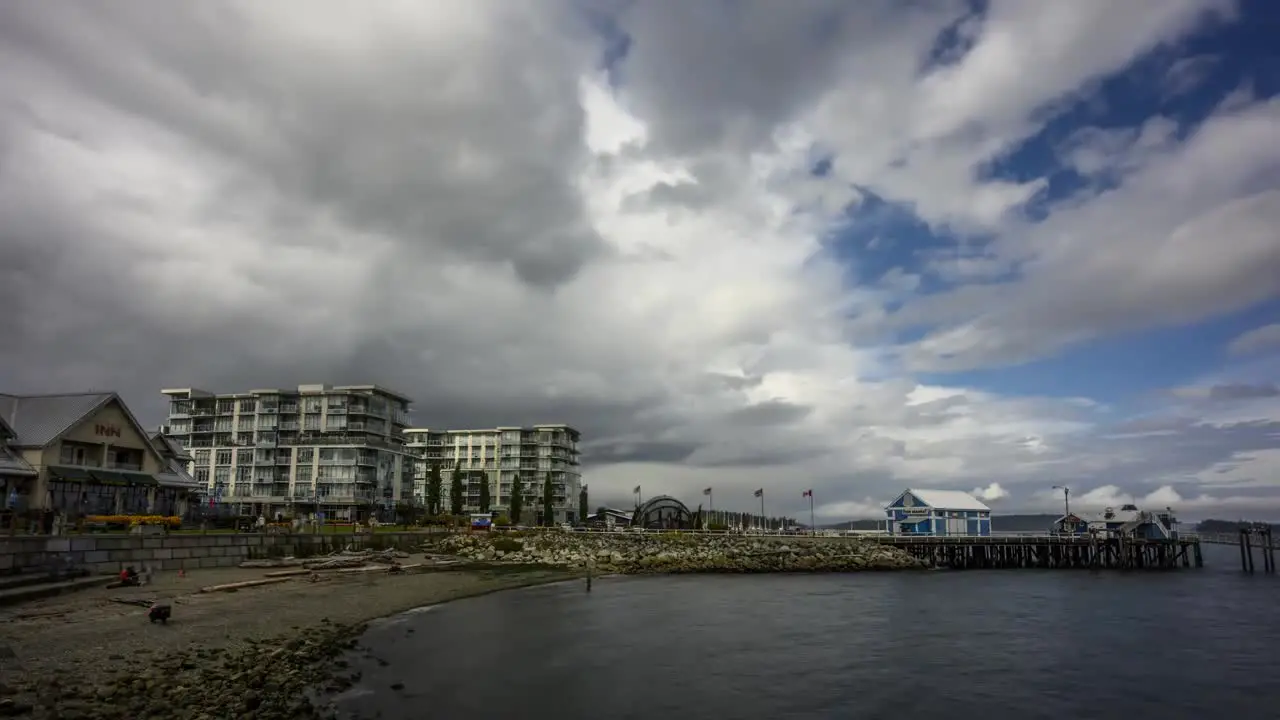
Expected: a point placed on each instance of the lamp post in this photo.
(1066, 497)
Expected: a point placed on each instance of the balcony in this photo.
(129, 466)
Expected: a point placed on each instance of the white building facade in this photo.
(339, 450)
(500, 456)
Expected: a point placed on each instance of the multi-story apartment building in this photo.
(498, 456)
(338, 450)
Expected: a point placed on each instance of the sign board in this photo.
(481, 521)
(106, 430)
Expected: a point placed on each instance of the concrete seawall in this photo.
(112, 553)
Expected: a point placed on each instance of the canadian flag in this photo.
(808, 493)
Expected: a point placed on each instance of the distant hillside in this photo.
(1225, 526)
(1022, 523)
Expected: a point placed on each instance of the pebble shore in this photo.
(260, 653)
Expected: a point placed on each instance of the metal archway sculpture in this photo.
(663, 513)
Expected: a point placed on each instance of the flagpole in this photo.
(813, 527)
(762, 508)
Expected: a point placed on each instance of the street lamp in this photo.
(1066, 497)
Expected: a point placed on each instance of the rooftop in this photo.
(308, 389)
(37, 420)
(948, 499)
(493, 430)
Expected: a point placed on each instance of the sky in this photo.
(854, 247)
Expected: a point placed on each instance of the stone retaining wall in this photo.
(112, 553)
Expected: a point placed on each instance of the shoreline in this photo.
(272, 651)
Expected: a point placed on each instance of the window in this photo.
(302, 476)
(202, 475)
(248, 406)
(244, 423)
(311, 422)
(244, 457)
(180, 407)
(243, 473)
(201, 457)
(223, 457)
(72, 454)
(126, 459)
(306, 455)
(221, 475)
(335, 422)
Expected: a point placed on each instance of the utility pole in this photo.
(1066, 498)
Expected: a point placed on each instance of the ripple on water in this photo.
(1005, 644)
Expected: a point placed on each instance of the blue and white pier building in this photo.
(938, 513)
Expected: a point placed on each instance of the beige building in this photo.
(84, 454)
(498, 456)
(338, 450)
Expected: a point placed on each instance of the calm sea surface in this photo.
(1024, 645)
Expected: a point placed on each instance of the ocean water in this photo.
(1024, 645)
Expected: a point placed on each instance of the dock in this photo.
(1249, 537)
(1050, 552)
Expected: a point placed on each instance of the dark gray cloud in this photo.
(1243, 392)
(766, 414)
(236, 194)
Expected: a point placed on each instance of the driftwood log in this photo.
(232, 587)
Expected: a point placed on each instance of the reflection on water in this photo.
(990, 644)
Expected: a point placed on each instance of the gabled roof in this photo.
(175, 475)
(170, 447)
(11, 464)
(39, 420)
(6, 432)
(946, 499)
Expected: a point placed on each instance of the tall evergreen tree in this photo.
(455, 490)
(516, 507)
(548, 507)
(582, 504)
(433, 490)
(485, 501)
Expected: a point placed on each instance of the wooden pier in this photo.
(1248, 538)
(1051, 552)
(1259, 535)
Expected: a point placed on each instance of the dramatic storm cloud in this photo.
(819, 244)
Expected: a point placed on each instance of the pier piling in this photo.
(1266, 547)
(1092, 552)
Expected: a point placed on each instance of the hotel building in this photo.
(498, 456)
(78, 454)
(339, 450)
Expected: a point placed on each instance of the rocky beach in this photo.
(258, 652)
(271, 646)
(632, 553)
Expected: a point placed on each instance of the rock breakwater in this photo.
(637, 553)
